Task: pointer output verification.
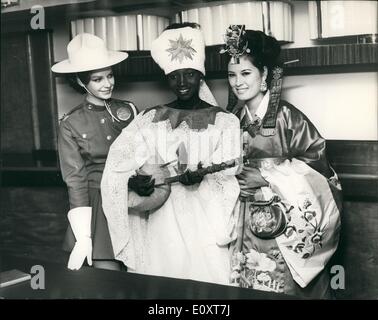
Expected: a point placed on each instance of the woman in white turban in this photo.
(185, 234)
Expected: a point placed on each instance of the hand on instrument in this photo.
(142, 184)
(189, 177)
(251, 178)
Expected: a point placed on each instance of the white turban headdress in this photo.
(182, 48)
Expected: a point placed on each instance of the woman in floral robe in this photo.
(288, 225)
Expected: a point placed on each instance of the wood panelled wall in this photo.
(356, 162)
(33, 222)
(28, 101)
(358, 250)
(16, 114)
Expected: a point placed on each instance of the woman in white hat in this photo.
(85, 135)
(186, 234)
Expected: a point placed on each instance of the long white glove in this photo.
(80, 221)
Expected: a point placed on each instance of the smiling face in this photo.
(101, 83)
(185, 83)
(245, 79)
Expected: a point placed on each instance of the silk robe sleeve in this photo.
(305, 142)
(312, 233)
(127, 153)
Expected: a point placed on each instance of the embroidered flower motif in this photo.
(252, 259)
(306, 203)
(299, 247)
(262, 221)
(290, 231)
(276, 255)
(235, 276)
(309, 215)
(306, 255)
(263, 277)
(259, 271)
(259, 261)
(238, 259)
(237, 265)
(316, 237)
(303, 232)
(181, 49)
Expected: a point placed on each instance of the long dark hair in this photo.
(264, 50)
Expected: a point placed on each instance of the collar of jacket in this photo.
(95, 107)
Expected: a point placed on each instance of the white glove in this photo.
(80, 221)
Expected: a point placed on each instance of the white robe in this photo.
(188, 236)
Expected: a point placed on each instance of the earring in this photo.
(263, 86)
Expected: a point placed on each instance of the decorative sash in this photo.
(269, 121)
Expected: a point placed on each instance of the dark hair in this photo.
(183, 25)
(264, 51)
(83, 76)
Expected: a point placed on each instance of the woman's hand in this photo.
(142, 184)
(250, 178)
(189, 177)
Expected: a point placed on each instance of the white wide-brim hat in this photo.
(87, 52)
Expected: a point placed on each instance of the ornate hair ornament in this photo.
(235, 43)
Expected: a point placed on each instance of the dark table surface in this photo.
(91, 283)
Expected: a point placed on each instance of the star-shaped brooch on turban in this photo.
(181, 49)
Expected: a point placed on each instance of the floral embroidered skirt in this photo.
(285, 239)
(257, 263)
